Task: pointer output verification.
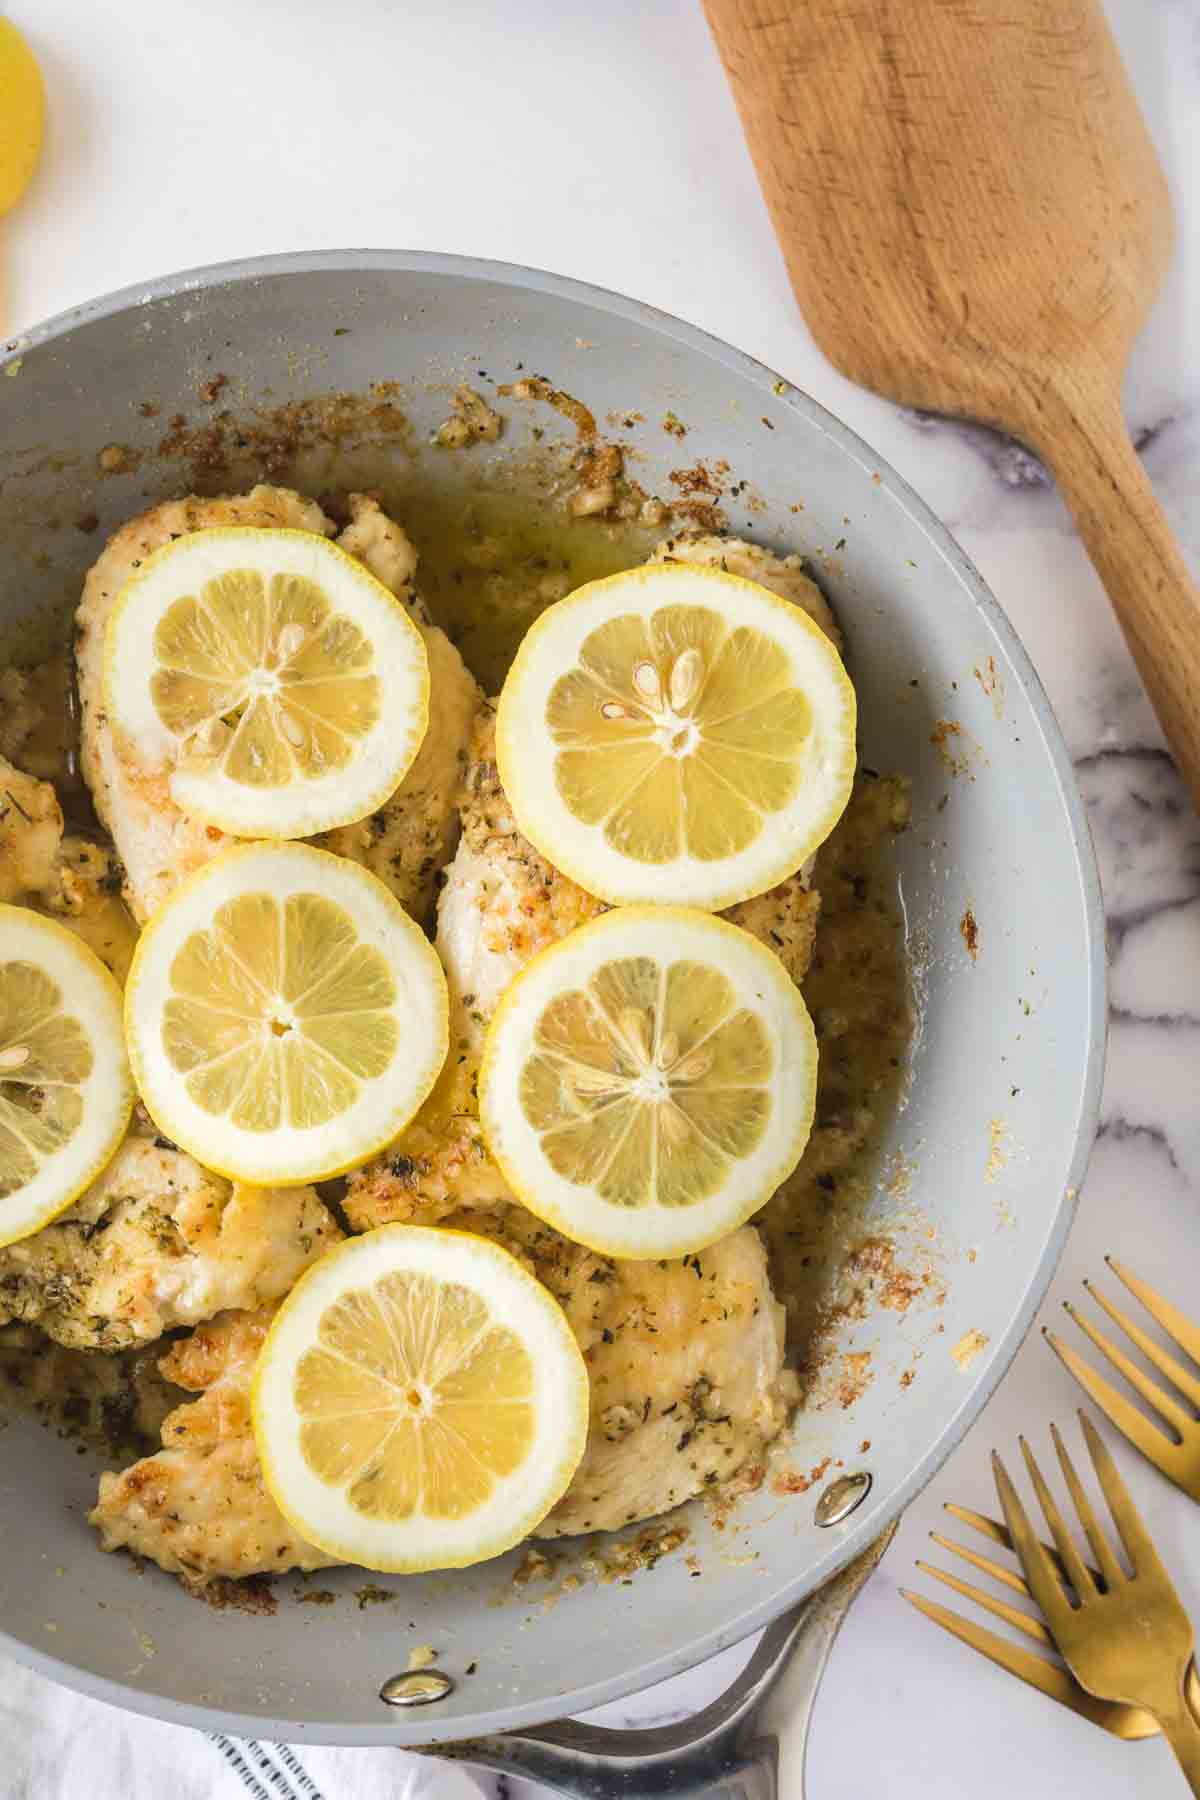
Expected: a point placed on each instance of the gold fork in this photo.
(1125, 1637)
(1127, 1722)
(1178, 1458)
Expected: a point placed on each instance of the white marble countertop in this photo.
(464, 125)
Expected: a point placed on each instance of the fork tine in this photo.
(1163, 1361)
(993, 1529)
(1154, 1445)
(1173, 1322)
(1151, 1392)
(1077, 1574)
(999, 1609)
(998, 1534)
(1136, 1539)
(1035, 1671)
(996, 1570)
(989, 1528)
(1110, 1569)
(1039, 1571)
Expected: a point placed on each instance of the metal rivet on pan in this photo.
(416, 1690)
(841, 1497)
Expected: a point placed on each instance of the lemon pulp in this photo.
(261, 671)
(44, 1059)
(277, 1012)
(648, 1081)
(65, 1087)
(413, 1400)
(678, 735)
(285, 1016)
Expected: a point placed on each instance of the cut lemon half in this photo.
(279, 686)
(420, 1401)
(285, 1017)
(65, 1087)
(649, 1081)
(676, 733)
(22, 123)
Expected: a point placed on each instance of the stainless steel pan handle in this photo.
(748, 1745)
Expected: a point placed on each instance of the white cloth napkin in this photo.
(59, 1745)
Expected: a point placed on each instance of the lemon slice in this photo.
(649, 1081)
(420, 1401)
(23, 116)
(676, 733)
(285, 1017)
(65, 1088)
(278, 685)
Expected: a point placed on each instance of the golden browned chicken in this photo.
(685, 1357)
(409, 841)
(685, 1364)
(500, 905)
(71, 878)
(688, 1388)
(158, 1242)
(31, 829)
(198, 1508)
(783, 575)
(87, 898)
(405, 843)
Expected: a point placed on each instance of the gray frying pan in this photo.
(997, 1117)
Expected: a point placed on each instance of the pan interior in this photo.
(235, 376)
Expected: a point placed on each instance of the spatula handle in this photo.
(1064, 406)
(1083, 438)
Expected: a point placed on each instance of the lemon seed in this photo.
(646, 681)
(685, 678)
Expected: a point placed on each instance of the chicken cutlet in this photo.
(685, 1366)
(502, 902)
(72, 878)
(155, 1243)
(199, 1507)
(31, 831)
(782, 575)
(685, 1357)
(688, 1387)
(405, 842)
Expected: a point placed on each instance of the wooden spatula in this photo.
(975, 222)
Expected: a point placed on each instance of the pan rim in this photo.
(872, 1519)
